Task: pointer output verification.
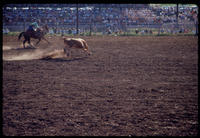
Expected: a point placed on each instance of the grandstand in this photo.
(99, 18)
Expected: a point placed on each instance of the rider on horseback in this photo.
(33, 27)
(38, 33)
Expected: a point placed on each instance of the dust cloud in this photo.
(36, 54)
(8, 48)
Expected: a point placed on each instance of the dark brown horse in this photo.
(38, 34)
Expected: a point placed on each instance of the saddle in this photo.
(31, 32)
(38, 32)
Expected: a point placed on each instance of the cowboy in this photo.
(33, 26)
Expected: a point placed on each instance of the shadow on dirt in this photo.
(18, 48)
(29, 47)
(63, 59)
(22, 49)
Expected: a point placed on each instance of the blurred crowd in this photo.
(109, 17)
(102, 15)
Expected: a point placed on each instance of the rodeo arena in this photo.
(100, 70)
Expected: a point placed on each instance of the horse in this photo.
(38, 34)
(77, 43)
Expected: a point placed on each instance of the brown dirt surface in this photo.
(129, 86)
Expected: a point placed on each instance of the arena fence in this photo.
(100, 29)
(94, 27)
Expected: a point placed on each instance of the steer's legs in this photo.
(67, 52)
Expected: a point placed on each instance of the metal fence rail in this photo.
(125, 19)
(98, 28)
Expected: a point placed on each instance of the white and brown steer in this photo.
(77, 43)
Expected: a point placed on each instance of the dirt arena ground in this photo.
(129, 86)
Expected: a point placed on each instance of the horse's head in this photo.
(45, 29)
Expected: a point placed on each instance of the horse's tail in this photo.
(20, 35)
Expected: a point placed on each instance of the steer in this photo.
(77, 43)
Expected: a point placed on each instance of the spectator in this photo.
(111, 17)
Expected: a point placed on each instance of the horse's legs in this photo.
(38, 41)
(24, 42)
(45, 40)
(30, 42)
(25, 39)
